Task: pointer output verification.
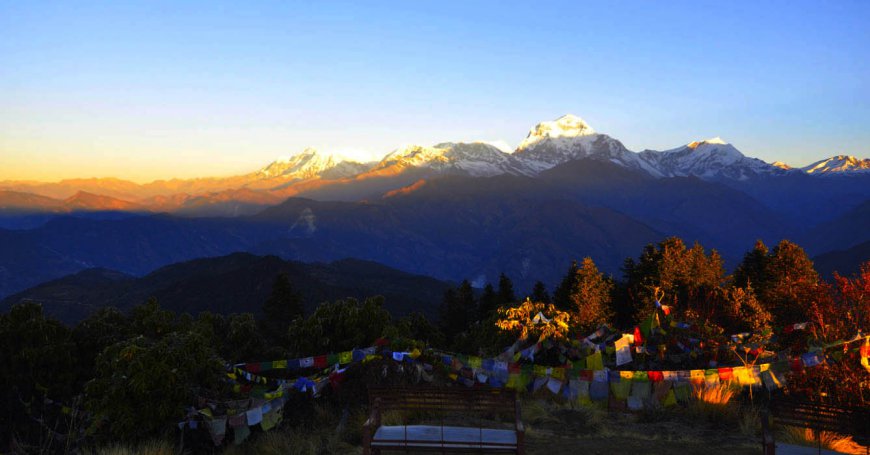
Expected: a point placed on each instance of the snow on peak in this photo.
(712, 141)
(781, 165)
(566, 126)
(479, 159)
(311, 163)
(709, 159)
(838, 164)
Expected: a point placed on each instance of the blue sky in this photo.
(180, 89)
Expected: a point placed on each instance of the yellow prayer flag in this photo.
(345, 357)
(279, 364)
(595, 362)
(670, 399)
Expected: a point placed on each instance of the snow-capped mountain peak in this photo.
(838, 164)
(311, 163)
(478, 159)
(566, 126)
(570, 138)
(713, 141)
(709, 159)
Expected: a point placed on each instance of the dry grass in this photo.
(829, 440)
(713, 405)
(294, 441)
(153, 447)
(719, 395)
(749, 421)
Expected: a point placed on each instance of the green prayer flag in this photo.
(595, 362)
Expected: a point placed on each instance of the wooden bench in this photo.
(853, 421)
(451, 402)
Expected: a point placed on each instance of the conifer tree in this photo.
(689, 278)
(466, 303)
(488, 303)
(790, 281)
(280, 309)
(585, 293)
(753, 269)
(562, 296)
(539, 293)
(458, 309)
(783, 280)
(506, 294)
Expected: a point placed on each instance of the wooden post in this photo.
(768, 446)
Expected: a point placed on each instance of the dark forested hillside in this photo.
(452, 227)
(232, 284)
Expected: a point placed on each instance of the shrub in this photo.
(142, 386)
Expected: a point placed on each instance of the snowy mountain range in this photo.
(321, 175)
(551, 143)
(313, 164)
(839, 164)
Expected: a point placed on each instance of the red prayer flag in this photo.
(655, 376)
(320, 361)
(726, 374)
(796, 364)
(638, 339)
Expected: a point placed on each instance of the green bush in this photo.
(142, 386)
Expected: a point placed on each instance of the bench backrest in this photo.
(463, 400)
(821, 416)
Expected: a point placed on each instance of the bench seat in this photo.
(436, 437)
(493, 407)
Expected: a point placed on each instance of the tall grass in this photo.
(719, 395)
(829, 440)
(153, 447)
(713, 404)
(294, 441)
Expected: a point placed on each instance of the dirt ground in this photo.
(625, 434)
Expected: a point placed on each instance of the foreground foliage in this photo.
(134, 375)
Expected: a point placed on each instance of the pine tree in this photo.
(280, 309)
(590, 300)
(540, 294)
(466, 301)
(506, 294)
(689, 277)
(753, 269)
(783, 280)
(585, 293)
(453, 318)
(488, 303)
(790, 281)
(562, 296)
